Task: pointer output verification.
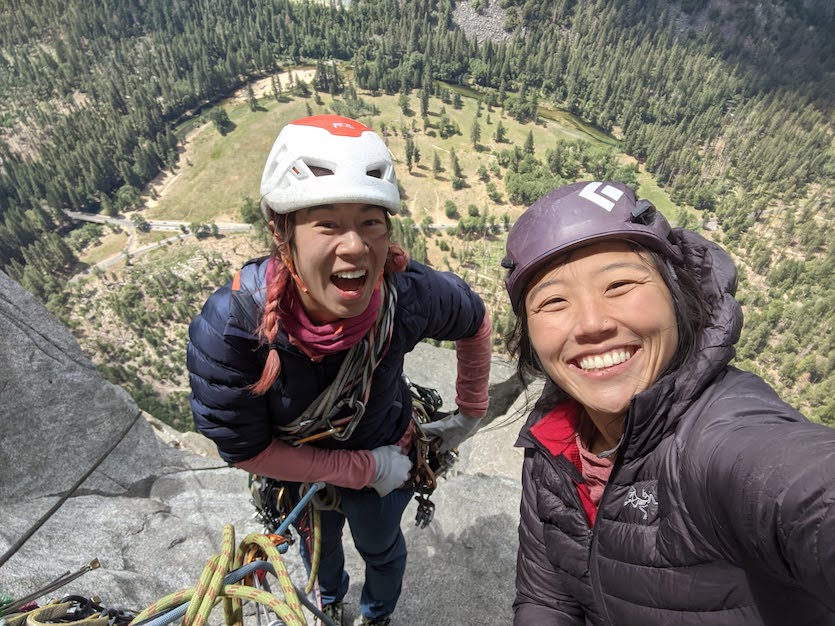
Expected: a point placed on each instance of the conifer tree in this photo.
(475, 134)
(500, 135)
(529, 146)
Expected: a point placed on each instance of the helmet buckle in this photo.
(643, 212)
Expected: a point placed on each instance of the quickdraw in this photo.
(13, 606)
(429, 463)
(71, 609)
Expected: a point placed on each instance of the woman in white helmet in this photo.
(296, 365)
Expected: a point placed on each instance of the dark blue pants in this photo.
(375, 527)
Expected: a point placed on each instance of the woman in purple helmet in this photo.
(660, 484)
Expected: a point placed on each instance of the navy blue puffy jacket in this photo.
(225, 355)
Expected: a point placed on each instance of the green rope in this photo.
(210, 589)
(317, 550)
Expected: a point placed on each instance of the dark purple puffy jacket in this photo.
(720, 509)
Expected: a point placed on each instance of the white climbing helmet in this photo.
(324, 159)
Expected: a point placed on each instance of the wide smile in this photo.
(351, 281)
(605, 360)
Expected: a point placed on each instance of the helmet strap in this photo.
(299, 283)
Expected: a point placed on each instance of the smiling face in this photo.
(603, 326)
(339, 252)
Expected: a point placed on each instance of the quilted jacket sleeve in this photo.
(220, 366)
(539, 601)
(437, 305)
(760, 484)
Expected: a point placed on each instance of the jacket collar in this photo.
(248, 295)
(558, 428)
(658, 410)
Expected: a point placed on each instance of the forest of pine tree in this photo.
(728, 105)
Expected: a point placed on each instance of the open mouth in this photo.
(349, 281)
(602, 361)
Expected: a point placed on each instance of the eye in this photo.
(324, 224)
(618, 287)
(550, 304)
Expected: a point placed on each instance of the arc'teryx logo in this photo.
(642, 502)
(604, 198)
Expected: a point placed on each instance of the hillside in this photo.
(721, 110)
(152, 515)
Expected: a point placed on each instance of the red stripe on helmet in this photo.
(334, 124)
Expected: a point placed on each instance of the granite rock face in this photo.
(57, 413)
(154, 507)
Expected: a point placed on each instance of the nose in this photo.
(593, 321)
(351, 243)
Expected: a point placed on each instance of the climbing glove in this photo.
(453, 429)
(393, 469)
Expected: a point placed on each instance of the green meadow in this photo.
(217, 172)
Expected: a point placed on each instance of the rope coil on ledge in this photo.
(215, 585)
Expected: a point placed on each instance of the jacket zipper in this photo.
(598, 596)
(594, 568)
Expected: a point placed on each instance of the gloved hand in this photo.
(453, 429)
(393, 469)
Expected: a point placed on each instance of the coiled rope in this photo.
(214, 585)
(216, 582)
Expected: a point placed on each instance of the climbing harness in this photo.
(273, 499)
(351, 387)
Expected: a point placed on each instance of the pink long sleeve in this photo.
(474, 355)
(353, 469)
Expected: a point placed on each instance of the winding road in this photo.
(129, 251)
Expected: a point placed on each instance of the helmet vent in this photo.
(375, 173)
(320, 171)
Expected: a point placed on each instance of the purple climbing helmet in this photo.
(573, 216)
